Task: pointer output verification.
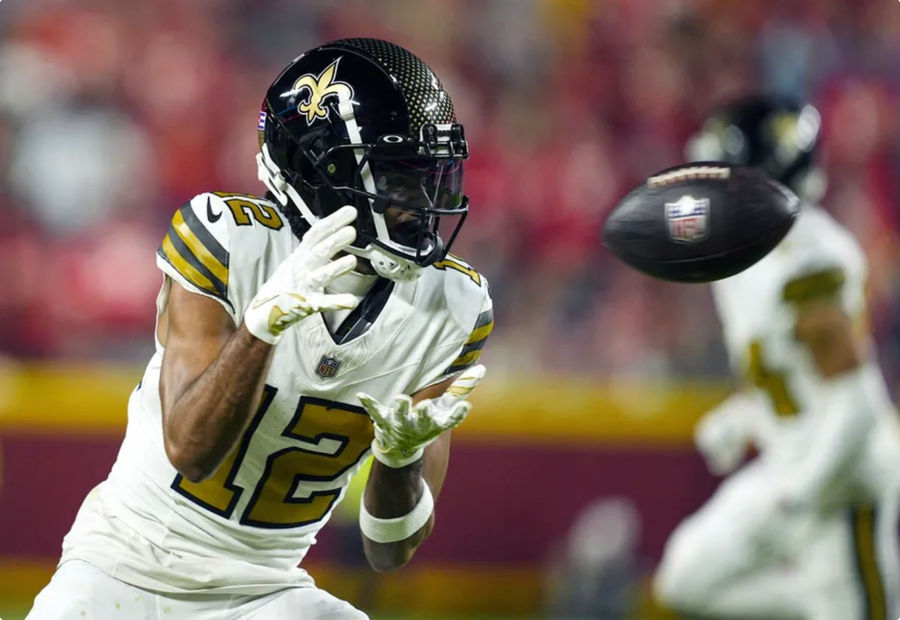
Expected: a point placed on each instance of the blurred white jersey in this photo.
(835, 443)
(757, 309)
(246, 529)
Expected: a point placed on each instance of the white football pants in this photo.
(80, 591)
(741, 556)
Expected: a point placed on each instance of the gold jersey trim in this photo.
(196, 254)
(471, 351)
(864, 520)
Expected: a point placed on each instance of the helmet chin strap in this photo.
(385, 264)
(395, 267)
(388, 265)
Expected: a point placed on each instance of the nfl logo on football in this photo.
(688, 219)
(328, 366)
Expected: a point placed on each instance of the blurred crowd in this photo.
(113, 114)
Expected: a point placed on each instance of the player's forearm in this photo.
(398, 503)
(391, 493)
(850, 411)
(209, 416)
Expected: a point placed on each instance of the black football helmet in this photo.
(365, 122)
(773, 134)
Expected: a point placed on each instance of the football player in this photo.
(806, 529)
(296, 335)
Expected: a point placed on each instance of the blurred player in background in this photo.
(277, 319)
(807, 529)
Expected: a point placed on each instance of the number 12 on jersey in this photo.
(329, 438)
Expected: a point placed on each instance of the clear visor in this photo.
(414, 196)
(432, 185)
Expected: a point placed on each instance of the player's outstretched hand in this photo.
(725, 432)
(296, 289)
(404, 429)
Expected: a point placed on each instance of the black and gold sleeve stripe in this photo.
(813, 287)
(192, 250)
(453, 262)
(472, 349)
(863, 521)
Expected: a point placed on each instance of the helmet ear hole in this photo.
(380, 205)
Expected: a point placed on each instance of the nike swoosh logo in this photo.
(212, 217)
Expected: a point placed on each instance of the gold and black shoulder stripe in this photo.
(815, 286)
(457, 264)
(863, 521)
(191, 249)
(472, 349)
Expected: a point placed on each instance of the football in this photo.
(700, 222)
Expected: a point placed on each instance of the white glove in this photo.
(403, 430)
(296, 289)
(723, 434)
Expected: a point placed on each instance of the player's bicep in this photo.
(829, 334)
(196, 330)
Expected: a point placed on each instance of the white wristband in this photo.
(397, 528)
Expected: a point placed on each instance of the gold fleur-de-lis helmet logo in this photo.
(320, 88)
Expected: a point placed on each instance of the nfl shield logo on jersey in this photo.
(328, 366)
(688, 219)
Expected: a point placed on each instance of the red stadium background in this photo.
(114, 114)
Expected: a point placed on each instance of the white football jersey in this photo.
(757, 308)
(246, 528)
